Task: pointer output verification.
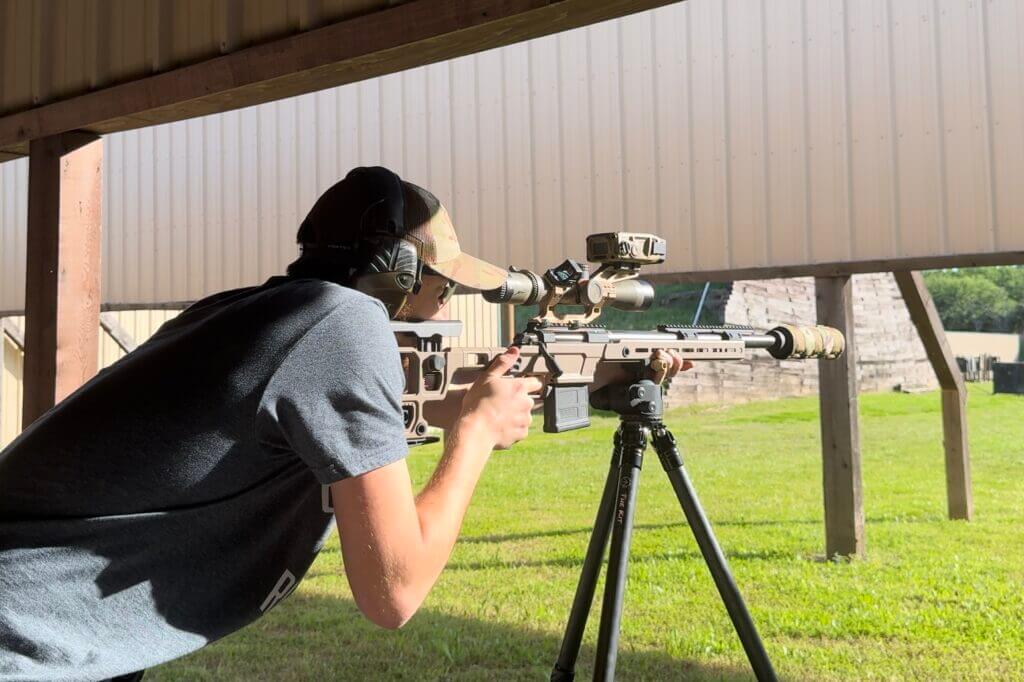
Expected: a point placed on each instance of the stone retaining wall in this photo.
(889, 352)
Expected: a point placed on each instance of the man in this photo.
(176, 497)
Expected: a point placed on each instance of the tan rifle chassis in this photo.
(567, 360)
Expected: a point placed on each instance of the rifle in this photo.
(566, 359)
(565, 350)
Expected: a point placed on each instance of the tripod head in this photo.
(637, 401)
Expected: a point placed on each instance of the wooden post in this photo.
(954, 394)
(62, 287)
(840, 429)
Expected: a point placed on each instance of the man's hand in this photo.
(664, 365)
(497, 407)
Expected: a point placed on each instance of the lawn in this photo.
(933, 599)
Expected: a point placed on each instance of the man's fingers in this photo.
(503, 363)
(660, 365)
(658, 373)
(665, 364)
(532, 384)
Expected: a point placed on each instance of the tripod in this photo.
(640, 409)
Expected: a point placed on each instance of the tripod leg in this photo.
(634, 442)
(672, 462)
(565, 666)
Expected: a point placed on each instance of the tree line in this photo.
(989, 299)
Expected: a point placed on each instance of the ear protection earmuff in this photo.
(378, 259)
(393, 269)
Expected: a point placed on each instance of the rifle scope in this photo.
(523, 287)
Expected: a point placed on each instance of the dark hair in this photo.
(335, 220)
(316, 267)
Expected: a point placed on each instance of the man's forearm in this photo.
(442, 503)
(394, 545)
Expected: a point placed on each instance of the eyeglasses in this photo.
(446, 292)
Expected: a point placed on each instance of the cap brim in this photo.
(472, 272)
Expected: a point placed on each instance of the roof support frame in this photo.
(924, 315)
(381, 42)
(62, 288)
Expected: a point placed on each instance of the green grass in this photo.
(933, 599)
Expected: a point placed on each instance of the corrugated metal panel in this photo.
(55, 48)
(13, 221)
(749, 133)
(10, 392)
(480, 320)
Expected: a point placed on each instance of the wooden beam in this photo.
(11, 331)
(959, 500)
(112, 326)
(62, 288)
(840, 428)
(381, 42)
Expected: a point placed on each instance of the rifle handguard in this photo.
(807, 341)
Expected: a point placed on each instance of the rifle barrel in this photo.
(750, 337)
(782, 342)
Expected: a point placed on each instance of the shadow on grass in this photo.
(586, 530)
(634, 558)
(315, 637)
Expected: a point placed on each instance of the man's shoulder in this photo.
(330, 295)
(287, 304)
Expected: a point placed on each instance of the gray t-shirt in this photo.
(178, 495)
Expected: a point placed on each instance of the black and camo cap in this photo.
(335, 220)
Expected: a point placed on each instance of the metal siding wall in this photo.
(1003, 26)
(10, 392)
(129, 38)
(479, 320)
(749, 133)
(13, 219)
